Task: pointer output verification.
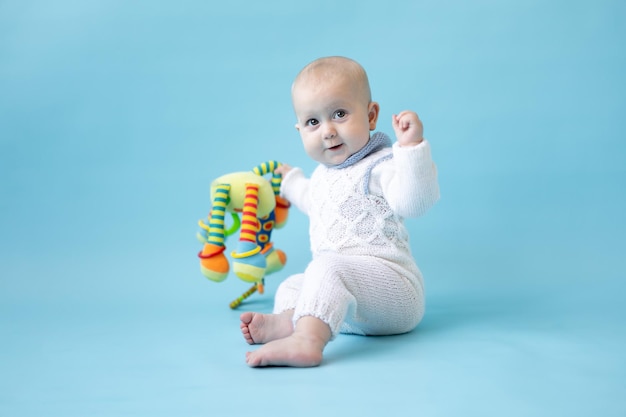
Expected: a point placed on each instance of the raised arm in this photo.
(411, 187)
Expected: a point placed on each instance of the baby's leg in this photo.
(321, 304)
(262, 328)
(303, 348)
(361, 295)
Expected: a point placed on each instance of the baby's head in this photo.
(332, 101)
(333, 69)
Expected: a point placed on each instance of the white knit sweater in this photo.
(359, 211)
(353, 218)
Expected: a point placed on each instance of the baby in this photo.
(362, 278)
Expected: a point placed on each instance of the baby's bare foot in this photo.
(262, 328)
(293, 350)
(303, 348)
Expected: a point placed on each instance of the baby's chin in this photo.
(336, 155)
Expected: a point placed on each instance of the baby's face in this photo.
(334, 118)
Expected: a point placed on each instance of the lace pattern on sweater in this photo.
(348, 219)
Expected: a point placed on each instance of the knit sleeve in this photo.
(295, 188)
(409, 180)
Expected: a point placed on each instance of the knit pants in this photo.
(353, 294)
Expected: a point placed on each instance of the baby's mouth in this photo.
(336, 147)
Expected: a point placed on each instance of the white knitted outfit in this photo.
(362, 278)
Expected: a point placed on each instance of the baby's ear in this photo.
(372, 114)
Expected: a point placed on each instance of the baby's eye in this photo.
(340, 114)
(312, 122)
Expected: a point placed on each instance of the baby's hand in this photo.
(283, 169)
(408, 128)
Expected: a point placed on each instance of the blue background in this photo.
(115, 116)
